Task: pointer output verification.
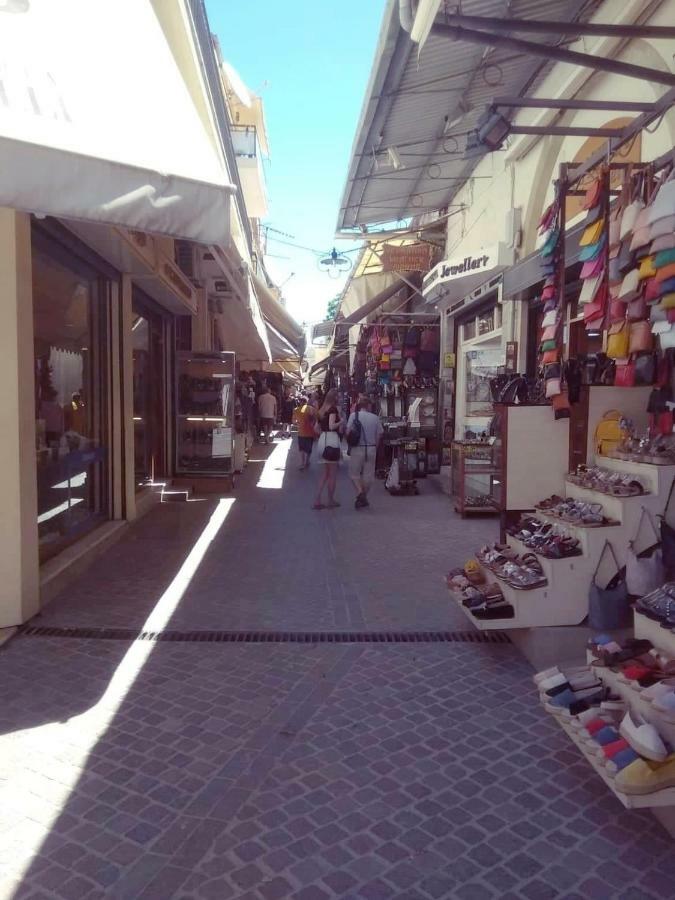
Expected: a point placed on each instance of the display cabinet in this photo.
(205, 414)
(476, 477)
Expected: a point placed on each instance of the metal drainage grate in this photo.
(272, 637)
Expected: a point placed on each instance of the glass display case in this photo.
(204, 413)
(476, 473)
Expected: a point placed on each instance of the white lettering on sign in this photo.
(472, 264)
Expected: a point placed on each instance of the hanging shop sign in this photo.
(409, 258)
(468, 269)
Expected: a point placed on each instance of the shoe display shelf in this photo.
(662, 638)
(588, 748)
(564, 599)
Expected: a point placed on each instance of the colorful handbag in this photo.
(647, 267)
(593, 251)
(640, 338)
(553, 387)
(662, 227)
(592, 268)
(652, 291)
(637, 309)
(546, 346)
(629, 286)
(667, 301)
(592, 196)
(667, 242)
(645, 368)
(592, 233)
(625, 375)
(588, 289)
(617, 311)
(618, 340)
(551, 356)
(664, 258)
(629, 218)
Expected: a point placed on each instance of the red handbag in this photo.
(617, 311)
(625, 375)
(637, 309)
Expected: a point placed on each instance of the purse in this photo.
(331, 451)
(617, 341)
(637, 309)
(644, 570)
(666, 242)
(546, 346)
(550, 356)
(592, 233)
(645, 368)
(662, 227)
(588, 289)
(561, 406)
(592, 195)
(668, 538)
(629, 285)
(553, 387)
(617, 311)
(667, 339)
(647, 267)
(609, 607)
(625, 375)
(640, 337)
(592, 268)
(664, 258)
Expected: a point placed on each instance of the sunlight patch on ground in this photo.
(272, 475)
(30, 751)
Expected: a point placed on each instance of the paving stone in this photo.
(281, 770)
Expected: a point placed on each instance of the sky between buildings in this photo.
(310, 61)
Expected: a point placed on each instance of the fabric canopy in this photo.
(88, 134)
(280, 348)
(239, 331)
(372, 303)
(277, 316)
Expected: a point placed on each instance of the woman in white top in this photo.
(329, 423)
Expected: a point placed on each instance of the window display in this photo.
(68, 344)
(205, 407)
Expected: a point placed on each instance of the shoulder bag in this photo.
(644, 569)
(609, 607)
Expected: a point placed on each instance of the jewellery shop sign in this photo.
(475, 266)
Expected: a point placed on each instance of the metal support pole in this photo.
(484, 38)
(562, 130)
(547, 103)
(534, 26)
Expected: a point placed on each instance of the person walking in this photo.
(364, 433)
(304, 418)
(267, 408)
(328, 424)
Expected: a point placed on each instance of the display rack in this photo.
(564, 599)
(204, 414)
(475, 474)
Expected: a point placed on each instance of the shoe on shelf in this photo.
(658, 689)
(564, 703)
(621, 759)
(665, 705)
(645, 777)
(643, 737)
(609, 751)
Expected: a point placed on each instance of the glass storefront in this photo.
(149, 378)
(70, 343)
(480, 358)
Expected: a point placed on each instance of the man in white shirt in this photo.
(362, 455)
(267, 408)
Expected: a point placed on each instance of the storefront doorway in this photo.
(149, 368)
(70, 335)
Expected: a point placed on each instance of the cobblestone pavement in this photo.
(215, 771)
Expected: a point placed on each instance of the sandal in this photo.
(318, 506)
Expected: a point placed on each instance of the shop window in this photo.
(147, 332)
(70, 389)
(469, 330)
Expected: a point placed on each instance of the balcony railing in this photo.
(244, 140)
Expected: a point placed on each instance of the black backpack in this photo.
(354, 433)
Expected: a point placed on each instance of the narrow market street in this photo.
(141, 769)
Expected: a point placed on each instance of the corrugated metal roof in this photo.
(414, 99)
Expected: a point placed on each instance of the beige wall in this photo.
(19, 572)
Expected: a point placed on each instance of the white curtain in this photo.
(67, 373)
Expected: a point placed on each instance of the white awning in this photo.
(96, 122)
(277, 316)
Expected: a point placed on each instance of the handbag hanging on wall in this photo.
(609, 607)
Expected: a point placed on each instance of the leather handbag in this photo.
(662, 227)
(667, 301)
(629, 218)
(664, 258)
(668, 538)
(588, 289)
(663, 204)
(609, 607)
(645, 368)
(552, 371)
(629, 286)
(592, 195)
(549, 334)
(561, 406)
(640, 337)
(625, 375)
(592, 268)
(647, 267)
(618, 340)
(617, 311)
(626, 259)
(592, 233)
(553, 387)
(637, 309)
(551, 318)
(666, 242)
(652, 291)
(551, 356)
(644, 569)
(546, 346)
(593, 251)
(666, 287)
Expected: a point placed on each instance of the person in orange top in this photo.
(304, 416)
